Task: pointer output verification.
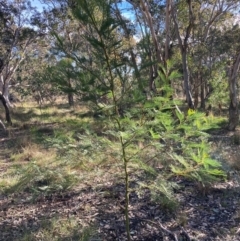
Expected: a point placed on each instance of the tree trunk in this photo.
(233, 116)
(167, 22)
(234, 102)
(6, 95)
(7, 112)
(149, 19)
(183, 44)
(202, 94)
(70, 94)
(5, 82)
(187, 80)
(70, 99)
(196, 90)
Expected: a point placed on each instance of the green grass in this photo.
(7, 181)
(44, 150)
(55, 137)
(55, 149)
(62, 229)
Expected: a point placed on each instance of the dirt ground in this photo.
(212, 215)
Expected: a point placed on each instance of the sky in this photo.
(37, 4)
(124, 6)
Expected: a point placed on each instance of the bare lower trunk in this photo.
(202, 95)
(234, 102)
(196, 91)
(186, 80)
(70, 99)
(233, 117)
(4, 89)
(7, 112)
(152, 76)
(8, 102)
(183, 45)
(70, 94)
(3, 126)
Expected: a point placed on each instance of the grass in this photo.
(35, 165)
(8, 180)
(51, 137)
(62, 229)
(44, 156)
(39, 171)
(55, 149)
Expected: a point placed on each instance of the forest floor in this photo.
(94, 210)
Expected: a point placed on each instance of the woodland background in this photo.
(118, 118)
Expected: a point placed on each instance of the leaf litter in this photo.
(210, 215)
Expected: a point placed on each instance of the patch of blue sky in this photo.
(124, 6)
(129, 13)
(38, 4)
(127, 10)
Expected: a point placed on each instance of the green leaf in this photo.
(95, 42)
(174, 75)
(176, 170)
(58, 38)
(217, 172)
(179, 114)
(154, 134)
(211, 162)
(181, 160)
(190, 112)
(106, 25)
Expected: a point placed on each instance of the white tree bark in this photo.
(183, 45)
(167, 22)
(234, 102)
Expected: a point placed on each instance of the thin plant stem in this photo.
(125, 162)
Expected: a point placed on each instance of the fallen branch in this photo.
(186, 234)
(172, 234)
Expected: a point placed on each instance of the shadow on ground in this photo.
(214, 216)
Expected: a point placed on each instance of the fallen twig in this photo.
(186, 234)
(169, 232)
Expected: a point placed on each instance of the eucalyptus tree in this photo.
(215, 53)
(167, 28)
(234, 101)
(229, 51)
(183, 44)
(149, 16)
(59, 79)
(193, 22)
(211, 16)
(189, 25)
(5, 18)
(21, 38)
(20, 29)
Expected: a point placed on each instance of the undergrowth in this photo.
(56, 229)
(158, 144)
(150, 138)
